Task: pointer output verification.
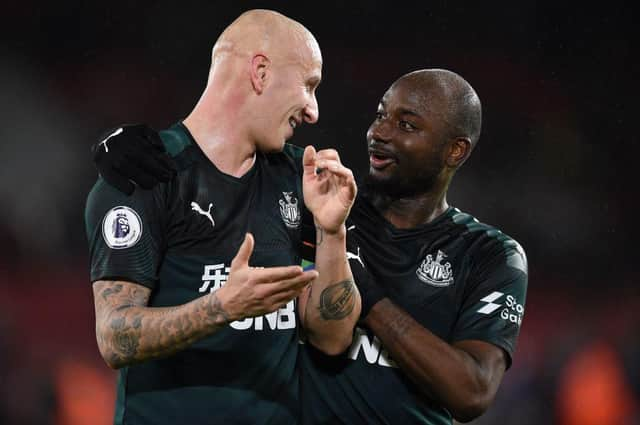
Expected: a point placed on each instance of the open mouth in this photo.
(293, 123)
(380, 159)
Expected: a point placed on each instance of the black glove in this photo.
(133, 153)
(370, 291)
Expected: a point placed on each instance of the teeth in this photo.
(292, 123)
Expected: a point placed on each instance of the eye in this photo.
(406, 126)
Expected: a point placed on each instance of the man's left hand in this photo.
(133, 154)
(329, 188)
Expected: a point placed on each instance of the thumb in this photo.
(244, 252)
(309, 160)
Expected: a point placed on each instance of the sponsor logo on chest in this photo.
(369, 349)
(435, 272)
(290, 210)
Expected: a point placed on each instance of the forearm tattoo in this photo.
(338, 300)
(128, 331)
(215, 310)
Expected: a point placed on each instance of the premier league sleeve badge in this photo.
(121, 227)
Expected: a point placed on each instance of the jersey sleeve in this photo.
(124, 235)
(493, 306)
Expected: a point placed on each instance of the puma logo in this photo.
(352, 256)
(104, 142)
(195, 207)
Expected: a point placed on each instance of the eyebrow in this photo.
(406, 111)
(402, 110)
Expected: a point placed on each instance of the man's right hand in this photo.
(133, 154)
(254, 291)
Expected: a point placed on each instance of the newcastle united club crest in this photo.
(434, 272)
(289, 210)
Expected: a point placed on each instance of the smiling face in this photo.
(407, 141)
(289, 98)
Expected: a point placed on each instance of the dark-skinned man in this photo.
(443, 294)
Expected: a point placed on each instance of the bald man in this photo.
(194, 281)
(443, 294)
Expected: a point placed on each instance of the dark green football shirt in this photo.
(459, 278)
(178, 240)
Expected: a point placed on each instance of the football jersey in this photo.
(178, 240)
(459, 278)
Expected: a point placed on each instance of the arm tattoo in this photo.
(337, 300)
(126, 338)
(111, 290)
(129, 331)
(215, 310)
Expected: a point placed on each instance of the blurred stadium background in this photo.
(554, 168)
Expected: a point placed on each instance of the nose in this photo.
(311, 112)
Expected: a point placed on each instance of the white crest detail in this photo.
(289, 210)
(104, 142)
(121, 227)
(195, 207)
(352, 256)
(434, 272)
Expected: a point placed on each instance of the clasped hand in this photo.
(329, 188)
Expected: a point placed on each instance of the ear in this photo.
(259, 72)
(459, 151)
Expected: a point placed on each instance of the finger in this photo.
(353, 187)
(293, 284)
(153, 137)
(132, 170)
(158, 166)
(328, 154)
(275, 274)
(309, 160)
(244, 252)
(118, 181)
(167, 163)
(335, 167)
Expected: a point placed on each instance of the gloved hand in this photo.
(370, 291)
(133, 154)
